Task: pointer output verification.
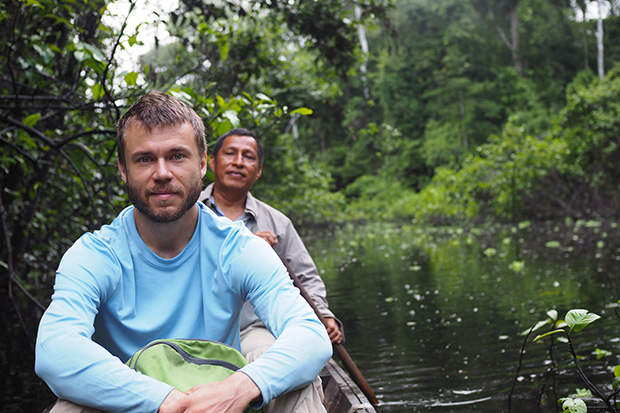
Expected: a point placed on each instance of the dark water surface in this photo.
(433, 318)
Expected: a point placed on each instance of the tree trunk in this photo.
(513, 42)
(514, 34)
(599, 40)
(361, 32)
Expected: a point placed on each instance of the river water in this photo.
(433, 318)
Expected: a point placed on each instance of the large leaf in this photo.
(579, 319)
(574, 406)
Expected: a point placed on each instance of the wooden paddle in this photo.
(339, 349)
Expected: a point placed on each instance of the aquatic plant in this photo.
(574, 322)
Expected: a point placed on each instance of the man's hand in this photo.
(333, 329)
(231, 395)
(268, 236)
(171, 401)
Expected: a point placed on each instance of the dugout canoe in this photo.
(342, 395)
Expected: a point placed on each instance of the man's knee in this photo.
(65, 406)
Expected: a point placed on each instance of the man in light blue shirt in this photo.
(168, 267)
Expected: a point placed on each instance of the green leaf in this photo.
(224, 46)
(615, 383)
(574, 406)
(549, 333)
(552, 314)
(537, 326)
(98, 91)
(579, 319)
(262, 96)
(231, 115)
(222, 127)
(302, 111)
(617, 371)
(32, 119)
(80, 56)
(33, 3)
(131, 78)
(94, 51)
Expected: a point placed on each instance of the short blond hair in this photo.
(157, 109)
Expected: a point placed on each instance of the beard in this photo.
(163, 215)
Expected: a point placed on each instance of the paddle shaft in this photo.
(339, 349)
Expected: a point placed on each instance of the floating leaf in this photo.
(601, 353)
(489, 252)
(517, 266)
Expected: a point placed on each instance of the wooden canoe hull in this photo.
(342, 395)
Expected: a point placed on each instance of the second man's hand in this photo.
(268, 236)
(333, 330)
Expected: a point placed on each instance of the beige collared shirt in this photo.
(259, 216)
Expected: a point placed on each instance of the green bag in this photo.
(188, 362)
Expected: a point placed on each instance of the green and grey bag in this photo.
(188, 362)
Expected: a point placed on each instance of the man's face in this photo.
(236, 167)
(163, 170)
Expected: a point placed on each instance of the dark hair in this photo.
(157, 109)
(239, 132)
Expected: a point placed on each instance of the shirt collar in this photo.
(249, 214)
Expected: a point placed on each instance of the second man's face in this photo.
(237, 166)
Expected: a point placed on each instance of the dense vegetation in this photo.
(446, 111)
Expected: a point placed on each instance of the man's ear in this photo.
(122, 170)
(203, 164)
(260, 172)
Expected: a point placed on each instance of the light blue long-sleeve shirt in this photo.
(113, 295)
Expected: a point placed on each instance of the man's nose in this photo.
(238, 158)
(162, 169)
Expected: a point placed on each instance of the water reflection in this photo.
(433, 318)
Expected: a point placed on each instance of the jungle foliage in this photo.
(457, 110)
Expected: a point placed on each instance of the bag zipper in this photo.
(188, 357)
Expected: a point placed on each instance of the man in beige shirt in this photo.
(237, 163)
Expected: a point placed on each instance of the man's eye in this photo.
(144, 159)
(178, 156)
(249, 156)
